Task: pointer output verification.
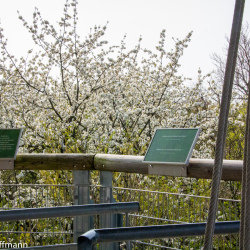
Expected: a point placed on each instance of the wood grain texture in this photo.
(197, 168)
(120, 163)
(203, 168)
(54, 161)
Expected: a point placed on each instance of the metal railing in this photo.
(72, 246)
(158, 206)
(69, 211)
(86, 210)
(91, 238)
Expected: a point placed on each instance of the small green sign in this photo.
(9, 141)
(173, 146)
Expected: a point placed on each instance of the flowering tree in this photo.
(53, 88)
(85, 96)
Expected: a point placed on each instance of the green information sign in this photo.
(172, 146)
(9, 141)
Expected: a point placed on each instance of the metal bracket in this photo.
(6, 164)
(170, 170)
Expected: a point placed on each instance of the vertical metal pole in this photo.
(81, 224)
(106, 196)
(128, 243)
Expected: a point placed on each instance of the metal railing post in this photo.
(81, 197)
(106, 196)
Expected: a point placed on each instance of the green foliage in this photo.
(236, 133)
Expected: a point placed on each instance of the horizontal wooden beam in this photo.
(203, 169)
(54, 162)
(120, 163)
(197, 168)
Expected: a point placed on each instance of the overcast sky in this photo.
(210, 21)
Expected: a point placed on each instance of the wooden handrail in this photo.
(54, 162)
(197, 168)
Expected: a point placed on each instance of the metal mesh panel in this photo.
(158, 206)
(40, 231)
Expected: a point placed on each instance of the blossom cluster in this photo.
(84, 96)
